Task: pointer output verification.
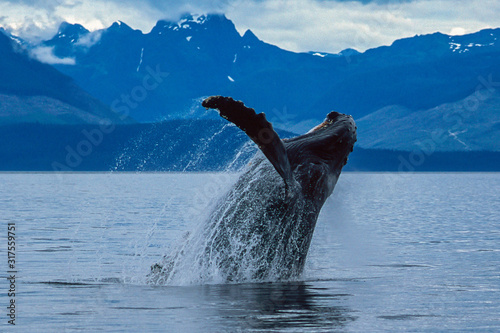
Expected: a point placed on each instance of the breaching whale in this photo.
(262, 228)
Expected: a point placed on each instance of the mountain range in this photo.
(31, 91)
(205, 55)
(425, 94)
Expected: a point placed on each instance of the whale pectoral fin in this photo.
(257, 128)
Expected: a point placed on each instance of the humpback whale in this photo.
(261, 229)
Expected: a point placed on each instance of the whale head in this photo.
(313, 160)
(317, 157)
(328, 143)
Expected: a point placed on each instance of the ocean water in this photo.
(391, 252)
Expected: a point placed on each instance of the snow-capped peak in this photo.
(192, 18)
(186, 22)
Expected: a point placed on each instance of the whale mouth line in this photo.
(324, 124)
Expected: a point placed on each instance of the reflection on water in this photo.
(275, 306)
(258, 307)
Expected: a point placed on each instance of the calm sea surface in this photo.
(391, 252)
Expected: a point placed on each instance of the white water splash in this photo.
(202, 149)
(251, 234)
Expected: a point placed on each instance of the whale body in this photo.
(261, 229)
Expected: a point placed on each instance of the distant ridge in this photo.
(186, 145)
(31, 91)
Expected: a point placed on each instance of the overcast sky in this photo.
(297, 25)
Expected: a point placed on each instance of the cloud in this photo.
(37, 20)
(310, 25)
(86, 41)
(298, 25)
(46, 55)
